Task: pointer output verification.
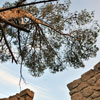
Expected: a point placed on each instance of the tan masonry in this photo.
(87, 87)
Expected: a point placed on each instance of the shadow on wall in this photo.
(23, 95)
(87, 87)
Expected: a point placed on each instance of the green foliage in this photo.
(43, 48)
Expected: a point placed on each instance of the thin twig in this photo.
(49, 26)
(47, 42)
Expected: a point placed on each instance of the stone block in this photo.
(24, 95)
(13, 98)
(87, 91)
(74, 84)
(97, 67)
(95, 94)
(77, 96)
(27, 92)
(88, 98)
(96, 87)
(96, 98)
(28, 98)
(98, 82)
(74, 91)
(97, 76)
(92, 81)
(86, 76)
(5, 99)
(82, 86)
(89, 86)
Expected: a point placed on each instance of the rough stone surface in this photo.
(95, 94)
(77, 96)
(97, 76)
(97, 67)
(92, 81)
(74, 84)
(96, 98)
(23, 95)
(96, 87)
(74, 91)
(87, 91)
(87, 75)
(82, 86)
(88, 86)
(98, 82)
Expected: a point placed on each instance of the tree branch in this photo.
(32, 3)
(7, 44)
(14, 25)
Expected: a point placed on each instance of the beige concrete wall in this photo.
(23, 95)
(87, 87)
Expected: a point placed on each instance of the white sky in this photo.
(49, 86)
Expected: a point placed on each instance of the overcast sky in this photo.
(49, 86)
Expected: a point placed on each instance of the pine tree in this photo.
(70, 39)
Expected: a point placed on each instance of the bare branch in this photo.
(6, 42)
(32, 3)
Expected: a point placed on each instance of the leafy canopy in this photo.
(43, 48)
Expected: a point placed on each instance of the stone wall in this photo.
(23, 95)
(87, 87)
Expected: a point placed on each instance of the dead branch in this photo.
(6, 42)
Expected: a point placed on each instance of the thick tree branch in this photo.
(32, 3)
(14, 25)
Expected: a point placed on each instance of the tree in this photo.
(57, 37)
